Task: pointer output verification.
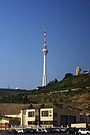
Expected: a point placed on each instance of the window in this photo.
(72, 119)
(46, 122)
(44, 113)
(64, 120)
(31, 122)
(55, 114)
(31, 114)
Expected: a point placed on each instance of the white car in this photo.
(20, 130)
(84, 131)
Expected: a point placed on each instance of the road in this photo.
(36, 134)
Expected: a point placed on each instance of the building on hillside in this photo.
(49, 117)
(78, 70)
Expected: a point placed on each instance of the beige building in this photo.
(49, 117)
(28, 117)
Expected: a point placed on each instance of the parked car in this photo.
(20, 131)
(4, 132)
(72, 131)
(13, 131)
(55, 130)
(63, 130)
(27, 131)
(48, 130)
(43, 130)
(84, 131)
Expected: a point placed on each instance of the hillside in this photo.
(72, 92)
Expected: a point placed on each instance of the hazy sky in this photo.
(21, 40)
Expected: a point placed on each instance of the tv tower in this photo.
(45, 51)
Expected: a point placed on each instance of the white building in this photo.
(48, 117)
(27, 117)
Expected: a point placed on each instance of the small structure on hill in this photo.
(78, 70)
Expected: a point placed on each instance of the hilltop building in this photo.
(78, 70)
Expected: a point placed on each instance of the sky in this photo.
(21, 40)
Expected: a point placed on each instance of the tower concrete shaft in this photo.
(45, 51)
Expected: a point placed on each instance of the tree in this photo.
(14, 121)
(31, 106)
(68, 75)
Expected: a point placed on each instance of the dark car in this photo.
(55, 130)
(49, 130)
(4, 132)
(28, 130)
(72, 131)
(13, 131)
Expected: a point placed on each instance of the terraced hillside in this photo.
(72, 92)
